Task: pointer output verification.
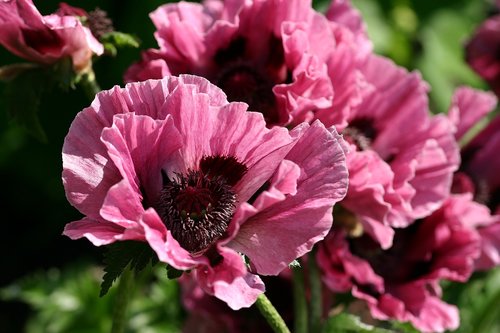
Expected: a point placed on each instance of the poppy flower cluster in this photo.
(202, 203)
(261, 128)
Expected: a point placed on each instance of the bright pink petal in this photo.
(370, 194)
(322, 183)
(467, 107)
(100, 232)
(230, 282)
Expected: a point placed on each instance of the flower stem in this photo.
(121, 301)
(90, 85)
(272, 316)
(316, 307)
(299, 301)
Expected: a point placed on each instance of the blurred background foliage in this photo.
(51, 284)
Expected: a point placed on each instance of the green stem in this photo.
(486, 318)
(299, 301)
(90, 85)
(316, 294)
(272, 316)
(121, 301)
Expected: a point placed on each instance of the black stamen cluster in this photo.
(197, 231)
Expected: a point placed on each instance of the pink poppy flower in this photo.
(351, 49)
(269, 54)
(482, 52)
(402, 282)
(45, 39)
(172, 163)
(401, 161)
(478, 174)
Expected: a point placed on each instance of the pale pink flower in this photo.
(45, 39)
(402, 282)
(402, 159)
(203, 181)
(478, 174)
(269, 54)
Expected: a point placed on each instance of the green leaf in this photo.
(347, 323)
(66, 299)
(173, 273)
(120, 255)
(22, 97)
(64, 74)
(403, 327)
(116, 40)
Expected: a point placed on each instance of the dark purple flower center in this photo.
(197, 206)
(485, 193)
(360, 132)
(394, 265)
(246, 79)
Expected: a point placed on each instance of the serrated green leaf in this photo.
(345, 322)
(121, 254)
(173, 273)
(120, 39)
(22, 96)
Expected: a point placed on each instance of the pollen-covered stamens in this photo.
(196, 209)
(361, 133)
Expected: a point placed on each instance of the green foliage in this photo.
(119, 255)
(22, 96)
(478, 301)
(348, 323)
(67, 301)
(442, 61)
(115, 40)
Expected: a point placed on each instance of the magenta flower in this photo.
(482, 52)
(172, 163)
(45, 39)
(478, 174)
(269, 54)
(401, 161)
(344, 63)
(402, 282)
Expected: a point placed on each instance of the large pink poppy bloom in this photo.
(402, 282)
(203, 181)
(270, 54)
(482, 52)
(402, 159)
(45, 39)
(478, 174)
